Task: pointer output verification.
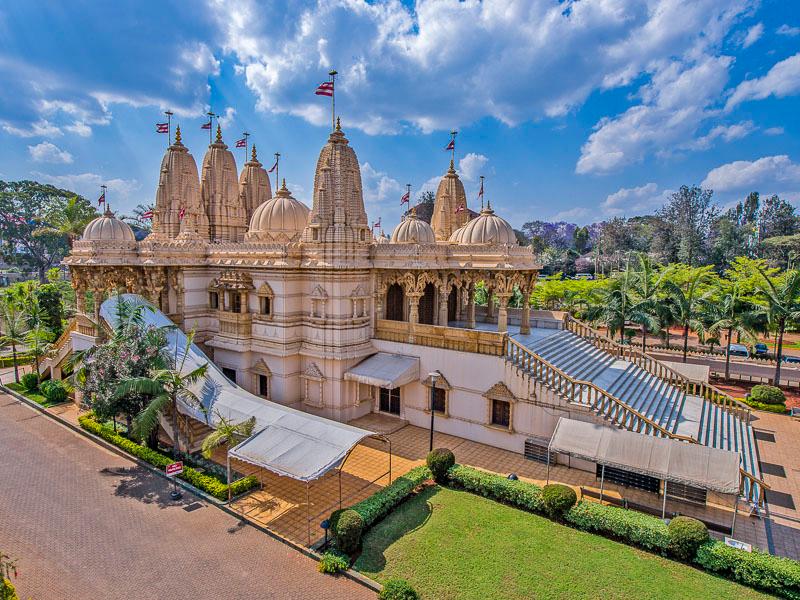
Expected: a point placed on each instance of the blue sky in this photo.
(574, 110)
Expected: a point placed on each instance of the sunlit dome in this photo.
(281, 219)
(107, 227)
(486, 228)
(412, 230)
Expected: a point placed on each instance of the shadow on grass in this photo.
(405, 519)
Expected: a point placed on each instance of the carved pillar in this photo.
(489, 304)
(244, 308)
(502, 314)
(413, 314)
(525, 317)
(471, 306)
(80, 298)
(443, 297)
(97, 292)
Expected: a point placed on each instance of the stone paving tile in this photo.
(86, 523)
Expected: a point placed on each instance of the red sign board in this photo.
(175, 468)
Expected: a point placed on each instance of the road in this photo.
(738, 366)
(85, 523)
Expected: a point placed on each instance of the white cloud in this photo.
(783, 79)
(578, 213)
(198, 58)
(634, 201)
(675, 103)
(788, 30)
(378, 186)
(727, 133)
(50, 153)
(40, 128)
(765, 174)
(774, 131)
(226, 118)
(457, 62)
(753, 35)
(470, 166)
(120, 191)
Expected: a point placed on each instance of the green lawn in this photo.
(36, 396)
(454, 545)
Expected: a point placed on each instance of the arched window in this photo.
(427, 305)
(394, 302)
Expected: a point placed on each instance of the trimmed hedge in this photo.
(207, 483)
(686, 535)
(333, 562)
(349, 527)
(756, 569)
(22, 359)
(773, 408)
(767, 394)
(439, 461)
(381, 503)
(397, 589)
(54, 390)
(558, 499)
(520, 494)
(650, 533)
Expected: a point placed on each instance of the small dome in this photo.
(108, 228)
(486, 228)
(412, 230)
(281, 219)
(382, 239)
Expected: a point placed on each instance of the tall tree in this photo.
(68, 221)
(580, 239)
(781, 296)
(687, 218)
(14, 327)
(732, 315)
(644, 302)
(686, 301)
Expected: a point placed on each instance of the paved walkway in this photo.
(86, 523)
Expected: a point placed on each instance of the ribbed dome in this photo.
(281, 219)
(412, 230)
(486, 228)
(382, 239)
(108, 228)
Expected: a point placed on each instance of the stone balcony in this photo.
(436, 336)
(238, 325)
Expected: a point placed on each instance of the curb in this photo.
(350, 574)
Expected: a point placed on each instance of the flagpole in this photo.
(453, 133)
(211, 116)
(333, 75)
(277, 170)
(169, 114)
(246, 135)
(482, 192)
(103, 195)
(408, 192)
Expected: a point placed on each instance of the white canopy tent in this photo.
(287, 441)
(385, 370)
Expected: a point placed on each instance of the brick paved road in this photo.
(88, 524)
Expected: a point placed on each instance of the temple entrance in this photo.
(394, 302)
(427, 304)
(452, 305)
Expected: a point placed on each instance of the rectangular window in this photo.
(439, 399)
(266, 305)
(213, 300)
(390, 401)
(236, 302)
(501, 413)
(229, 373)
(263, 386)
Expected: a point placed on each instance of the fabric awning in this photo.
(385, 370)
(662, 458)
(286, 441)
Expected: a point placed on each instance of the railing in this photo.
(233, 324)
(436, 336)
(606, 405)
(657, 368)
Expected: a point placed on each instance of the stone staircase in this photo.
(635, 392)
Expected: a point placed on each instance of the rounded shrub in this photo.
(7, 590)
(767, 394)
(397, 589)
(54, 390)
(333, 562)
(686, 535)
(349, 527)
(439, 461)
(558, 499)
(30, 381)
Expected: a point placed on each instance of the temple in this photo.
(305, 307)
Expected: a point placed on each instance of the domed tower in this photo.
(450, 207)
(108, 228)
(412, 230)
(281, 219)
(337, 214)
(220, 193)
(178, 190)
(254, 186)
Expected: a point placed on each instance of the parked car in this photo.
(583, 276)
(760, 349)
(792, 359)
(739, 350)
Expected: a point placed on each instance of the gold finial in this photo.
(178, 134)
(452, 166)
(283, 185)
(338, 124)
(219, 133)
(254, 153)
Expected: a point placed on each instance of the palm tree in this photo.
(227, 433)
(69, 221)
(730, 314)
(166, 387)
(685, 303)
(14, 321)
(782, 305)
(644, 289)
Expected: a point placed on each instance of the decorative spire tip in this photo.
(254, 152)
(338, 124)
(219, 133)
(178, 134)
